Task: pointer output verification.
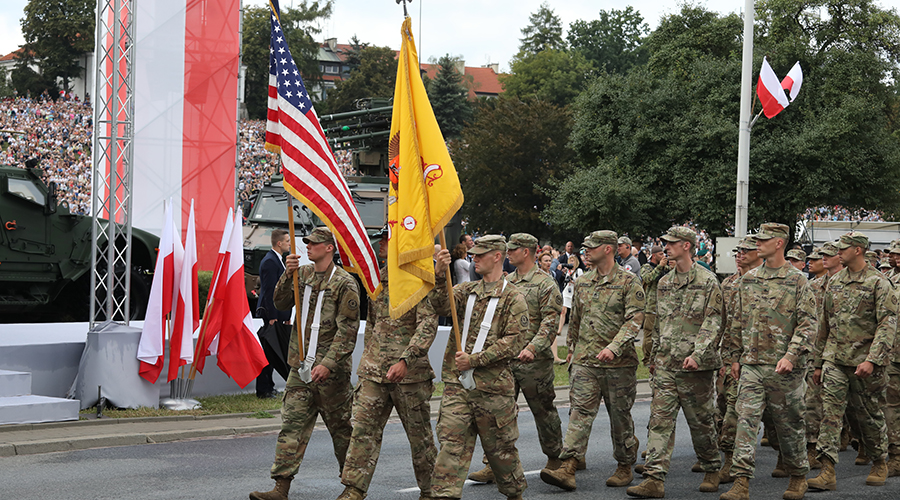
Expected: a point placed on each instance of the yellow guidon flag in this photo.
(424, 193)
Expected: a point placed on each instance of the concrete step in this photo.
(14, 383)
(34, 409)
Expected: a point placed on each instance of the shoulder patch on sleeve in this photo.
(523, 321)
(559, 300)
(353, 304)
(640, 294)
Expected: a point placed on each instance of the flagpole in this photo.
(209, 301)
(742, 196)
(459, 346)
(290, 205)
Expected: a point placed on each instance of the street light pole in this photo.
(743, 165)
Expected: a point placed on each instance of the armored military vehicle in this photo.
(45, 253)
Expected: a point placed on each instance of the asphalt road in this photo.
(230, 468)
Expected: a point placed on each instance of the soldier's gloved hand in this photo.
(462, 361)
(397, 372)
(690, 364)
(441, 262)
(319, 373)
(526, 355)
(865, 369)
(784, 367)
(606, 356)
(292, 262)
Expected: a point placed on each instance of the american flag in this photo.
(310, 171)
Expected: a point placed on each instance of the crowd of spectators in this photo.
(839, 213)
(59, 134)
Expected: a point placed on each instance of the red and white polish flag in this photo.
(209, 344)
(793, 81)
(187, 310)
(769, 90)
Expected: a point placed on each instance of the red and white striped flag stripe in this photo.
(310, 172)
(793, 81)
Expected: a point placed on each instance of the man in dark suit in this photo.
(270, 269)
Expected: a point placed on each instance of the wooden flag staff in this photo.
(205, 321)
(459, 346)
(295, 277)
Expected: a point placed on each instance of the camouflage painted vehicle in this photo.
(45, 253)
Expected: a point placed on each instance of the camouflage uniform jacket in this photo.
(339, 323)
(859, 319)
(504, 340)
(607, 312)
(895, 280)
(387, 340)
(817, 287)
(690, 320)
(729, 290)
(544, 307)
(774, 317)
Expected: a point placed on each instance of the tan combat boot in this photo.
(796, 488)
(640, 468)
(621, 477)
(813, 456)
(351, 493)
(740, 490)
(697, 467)
(725, 472)
(649, 488)
(563, 477)
(553, 463)
(894, 466)
(861, 457)
(485, 475)
(582, 464)
(879, 473)
(779, 470)
(710, 482)
(280, 492)
(826, 480)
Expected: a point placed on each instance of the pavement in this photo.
(30, 439)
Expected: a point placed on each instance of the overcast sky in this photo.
(479, 31)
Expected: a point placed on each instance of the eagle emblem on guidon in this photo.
(409, 223)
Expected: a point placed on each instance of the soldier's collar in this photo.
(495, 290)
(516, 275)
(766, 272)
(860, 276)
(605, 278)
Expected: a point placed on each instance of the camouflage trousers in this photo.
(892, 409)
(694, 393)
(464, 416)
(760, 388)
(727, 401)
(535, 380)
(302, 403)
(814, 413)
(372, 404)
(863, 400)
(617, 387)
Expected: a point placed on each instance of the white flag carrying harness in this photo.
(307, 363)
(467, 378)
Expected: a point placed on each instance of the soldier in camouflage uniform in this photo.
(329, 393)
(892, 409)
(797, 258)
(487, 411)
(684, 361)
(651, 272)
(772, 331)
(857, 332)
(533, 370)
(813, 415)
(749, 259)
(607, 313)
(394, 372)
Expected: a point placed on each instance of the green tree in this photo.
(552, 75)
(613, 42)
(543, 32)
(300, 27)
(375, 77)
(353, 57)
(658, 145)
(6, 88)
(449, 98)
(27, 81)
(506, 160)
(56, 33)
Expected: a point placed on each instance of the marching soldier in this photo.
(856, 335)
(329, 319)
(772, 331)
(533, 369)
(394, 372)
(684, 361)
(607, 313)
(479, 392)
(892, 409)
(813, 416)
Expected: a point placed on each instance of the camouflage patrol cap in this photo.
(520, 240)
(624, 240)
(771, 230)
(489, 243)
(895, 246)
(829, 249)
(885, 263)
(680, 233)
(747, 243)
(871, 255)
(853, 239)
(598, 238)
(815, 255)
(796, 254)
(319, 235)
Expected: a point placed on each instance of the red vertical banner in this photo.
(211, 59)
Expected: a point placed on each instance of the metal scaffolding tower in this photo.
(111, 199)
